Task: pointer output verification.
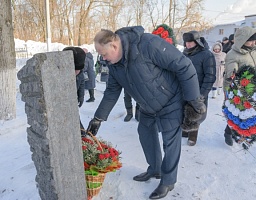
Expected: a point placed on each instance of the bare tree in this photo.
(191, 18)
(153, 12)
(75, 22)
(7, 63)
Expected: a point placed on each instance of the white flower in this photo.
(242, 115)
(227, 103)
(254, 96)
(239, 93)
(231, 108)
(231, 95)
(236, 112)
(252, 112)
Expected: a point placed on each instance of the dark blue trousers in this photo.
(168, 165)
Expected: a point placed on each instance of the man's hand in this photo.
(198, 105)
(94, 126)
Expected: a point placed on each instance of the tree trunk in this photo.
(7, 63)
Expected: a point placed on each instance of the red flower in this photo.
(164, 34)
(84, 147)
(247, 104)
(252, 130)
(158, 31)
(169, 40)
(87, 140)
(107, 155)
(244, 132)
(86, 166)
(244, 82)
(237, 100)
(101, 156)
(103, 145)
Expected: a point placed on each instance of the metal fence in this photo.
(22, 52)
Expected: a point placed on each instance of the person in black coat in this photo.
(197, 50)
(79, 58)
(101, 67)
(90, 75)
(159, 78)
(227, 46)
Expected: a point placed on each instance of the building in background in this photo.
(217, 32)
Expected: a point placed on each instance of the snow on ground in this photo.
(211, 170)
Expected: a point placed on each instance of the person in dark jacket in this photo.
(227, 46)
(224, 41)
(197, 50)
(89, 84)
(159, 78)
(101, 67)
(79, 59)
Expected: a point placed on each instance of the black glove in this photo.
(198, 105)
(80, 102)
(94, 126)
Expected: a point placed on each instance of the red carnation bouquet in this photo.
(100, 156)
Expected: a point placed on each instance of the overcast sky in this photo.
(225, 11)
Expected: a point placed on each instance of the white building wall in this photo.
(214, 34)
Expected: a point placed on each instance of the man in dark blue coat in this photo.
(197, 50)
(159, 78)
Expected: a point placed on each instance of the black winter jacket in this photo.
(157, 75)
(204, 62)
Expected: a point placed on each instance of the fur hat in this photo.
(231, 37)
(192, 36)
(165, 32)
(79, 56)
(191, 119)
(253, 37)
(224, 39)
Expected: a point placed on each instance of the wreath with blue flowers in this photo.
(239, 106)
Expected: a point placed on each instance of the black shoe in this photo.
(127, 118)
(146, 176)
(90, 100)
(161, 191)
(228, 139)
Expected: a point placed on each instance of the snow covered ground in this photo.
(211, 170)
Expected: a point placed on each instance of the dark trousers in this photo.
(128, 101)
(168, 166)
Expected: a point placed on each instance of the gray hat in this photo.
(192, 36)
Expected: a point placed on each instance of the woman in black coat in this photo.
(90, 75)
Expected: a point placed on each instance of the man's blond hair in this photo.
(105, 36)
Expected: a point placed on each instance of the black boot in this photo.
(184, 134)
(137, 113)
(228, 136)
(192, 138)
(91, 93)
(129, 115)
